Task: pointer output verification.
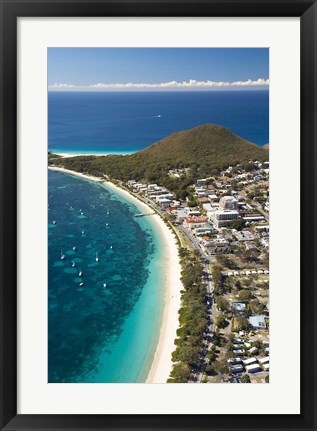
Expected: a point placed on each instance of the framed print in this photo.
(157, 215)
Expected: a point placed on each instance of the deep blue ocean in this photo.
(126, 122)
(106, 330)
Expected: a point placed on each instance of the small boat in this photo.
(111, 247)
(74, 248)
(81, 284)
(73, 264)
(108, 212)
(54, 222)
(97, 257)
(159, 116)
(104, 285)
(82, 232)
(80, 273)
(62, 255)
(81, 213)
(107, 224)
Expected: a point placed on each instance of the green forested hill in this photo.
(205, 149)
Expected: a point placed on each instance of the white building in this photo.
(252, 368)
(222, 218)
(228, 203)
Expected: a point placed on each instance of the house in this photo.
(238, 341)
(253, 350)
(264, 360)
(239, 306)
(257, 322)
(249, 361)
(238, 352)
(201, 182)
(254, 368)
(238, 368)
(234, 361)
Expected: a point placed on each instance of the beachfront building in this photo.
(195, 222)
(203, 230)
(163, 202)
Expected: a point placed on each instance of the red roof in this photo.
(196, 219)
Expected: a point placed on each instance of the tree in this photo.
(221, 321)
(245, 295)
(222, 303)
(241, 323)
(238, 285)
(180, 374)
(245, 378)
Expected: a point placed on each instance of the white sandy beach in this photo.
(162, 364)
(66, 155)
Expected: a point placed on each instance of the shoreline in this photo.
(67, 155)
(162, 362)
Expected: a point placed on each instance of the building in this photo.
(195, 222)
(222, 218)
(238, 368)
(181, 215)
(203, 230)
(264, 360)
(249, 361)
(228, 203)
(239, 306)
(163, 202)
(257, 322)
(201, 182)
(254, 368)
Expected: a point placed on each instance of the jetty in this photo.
(143, 215)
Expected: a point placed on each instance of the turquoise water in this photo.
(107, 329)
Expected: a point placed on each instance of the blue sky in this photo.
(157, 68)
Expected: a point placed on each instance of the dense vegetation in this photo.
(206, 150)
(192, 318)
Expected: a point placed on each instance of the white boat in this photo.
(104, 285)
(111, 247)
(62, 255)
(107, 224)
(73, 264)
(74, 248)
(80, 273)
(82, 232)
(81, 284)
(54, 222)
(108, 212)
(97, 257)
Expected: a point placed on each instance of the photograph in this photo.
(158, 215)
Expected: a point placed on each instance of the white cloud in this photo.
(60, 85)
(192, 83)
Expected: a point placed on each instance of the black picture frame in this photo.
(10, 11)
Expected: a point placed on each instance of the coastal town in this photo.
(224, 222)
